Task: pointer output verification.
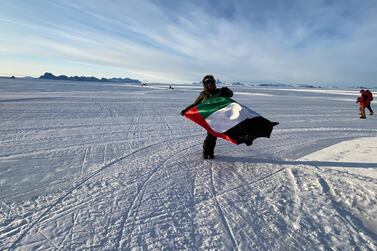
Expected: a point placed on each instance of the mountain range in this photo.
(51, 76)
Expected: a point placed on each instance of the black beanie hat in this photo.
(209, 78)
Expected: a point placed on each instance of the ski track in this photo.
(83, 161)
(59, 200)
(224, 219)
(140, 194)
(114, 184)
(343, 213)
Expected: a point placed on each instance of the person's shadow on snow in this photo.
(231, 159)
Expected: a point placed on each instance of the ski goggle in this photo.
(208, 82)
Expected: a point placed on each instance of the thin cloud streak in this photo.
(298, 42)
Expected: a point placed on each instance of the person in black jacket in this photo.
(209, 89)
(369, 100)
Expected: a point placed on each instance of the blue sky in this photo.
(298, 42)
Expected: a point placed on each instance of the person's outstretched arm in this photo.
(198, 100)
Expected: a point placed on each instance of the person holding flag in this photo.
(225, 118)
(209, 90)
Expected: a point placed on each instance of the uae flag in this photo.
(227, 119)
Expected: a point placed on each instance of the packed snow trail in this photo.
(117, 168)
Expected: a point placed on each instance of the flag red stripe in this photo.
(194, 115)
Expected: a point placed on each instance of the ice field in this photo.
(98, 166)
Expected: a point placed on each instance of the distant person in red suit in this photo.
(363, 101)
(370, 98)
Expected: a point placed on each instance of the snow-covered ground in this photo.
(103, 167)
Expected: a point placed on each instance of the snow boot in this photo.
(208, 156)
(205, 156)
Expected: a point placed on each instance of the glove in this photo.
(183, 112)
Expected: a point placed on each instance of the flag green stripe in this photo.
(213, 104)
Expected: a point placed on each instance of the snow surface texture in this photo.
(115, 167)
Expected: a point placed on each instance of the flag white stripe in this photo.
(229, 116)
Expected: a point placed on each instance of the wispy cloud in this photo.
(295, 41)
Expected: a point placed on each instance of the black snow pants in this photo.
(209, 144)
(369, 108)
